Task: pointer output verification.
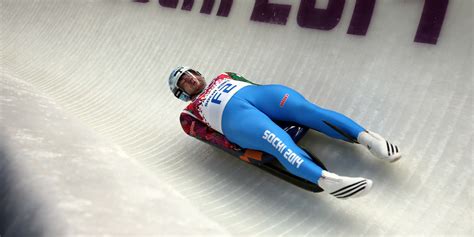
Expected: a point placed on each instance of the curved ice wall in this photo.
(90, 137)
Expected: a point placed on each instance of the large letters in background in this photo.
(429, 26)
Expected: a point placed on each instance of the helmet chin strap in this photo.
(182, 95)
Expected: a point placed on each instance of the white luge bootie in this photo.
(344, 187)
(379, 147)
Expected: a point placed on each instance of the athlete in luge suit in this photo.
(244, 112)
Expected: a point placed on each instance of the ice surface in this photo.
(60, 178)
(105, 64)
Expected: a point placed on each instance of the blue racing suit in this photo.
(245, 113)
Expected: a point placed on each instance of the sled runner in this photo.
(265, 161)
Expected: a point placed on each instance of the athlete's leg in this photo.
(248, 127)
(283, 103)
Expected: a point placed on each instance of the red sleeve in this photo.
(195, 128)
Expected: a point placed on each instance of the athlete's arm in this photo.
(195, 128)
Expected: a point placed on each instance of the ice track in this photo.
(90, 142)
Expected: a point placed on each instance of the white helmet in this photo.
(173, 83)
